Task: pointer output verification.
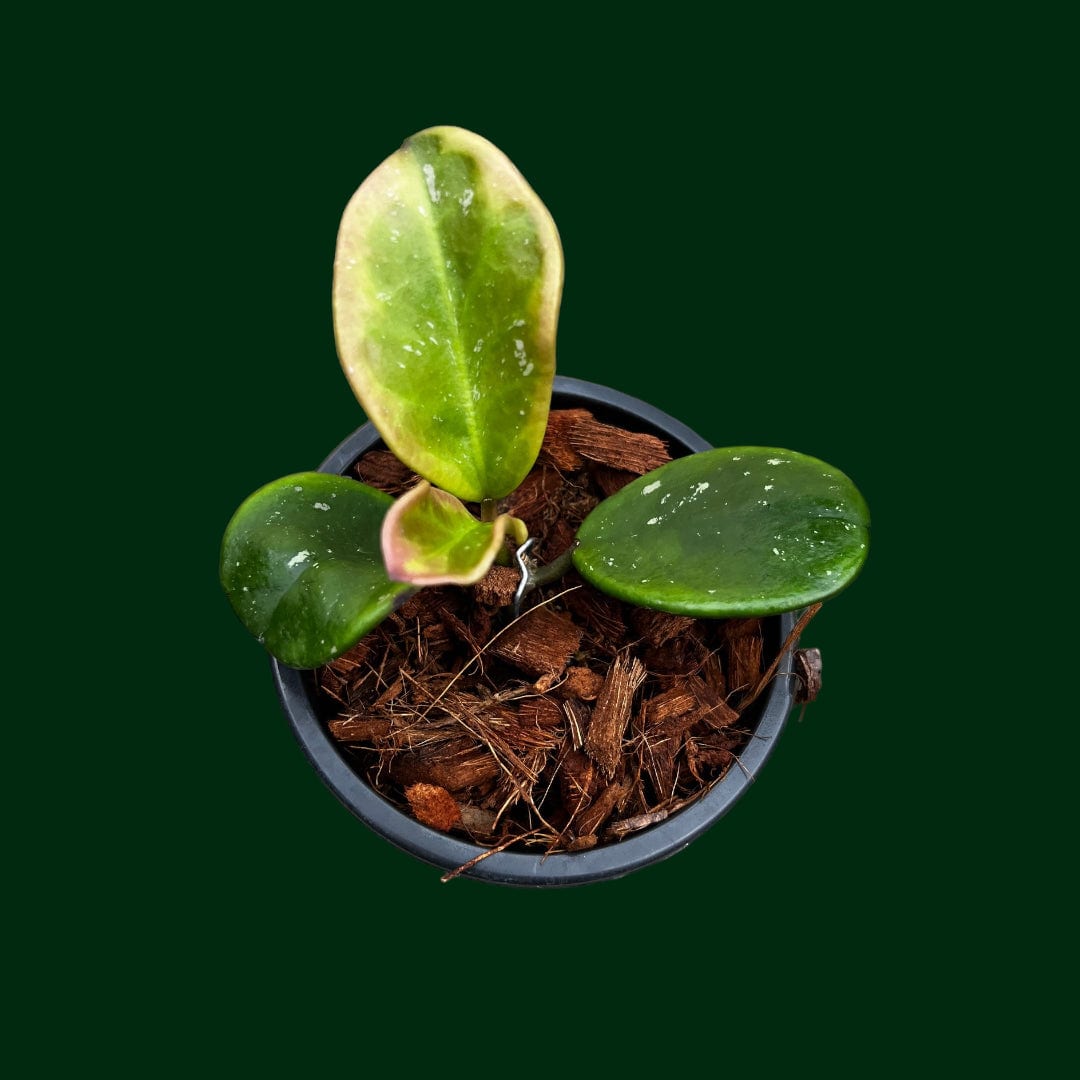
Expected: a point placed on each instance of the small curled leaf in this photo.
(430, 538)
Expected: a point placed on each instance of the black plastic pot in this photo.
(296, 690)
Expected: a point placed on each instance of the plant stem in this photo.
(531, 576)
(553, 570)
(487, 510)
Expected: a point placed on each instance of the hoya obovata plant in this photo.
(447, 283)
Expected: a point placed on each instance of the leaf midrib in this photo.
(460, 362)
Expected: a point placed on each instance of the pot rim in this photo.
(611, 860)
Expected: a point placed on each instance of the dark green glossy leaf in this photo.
(447, 283)
(302, 566)
(742, 531)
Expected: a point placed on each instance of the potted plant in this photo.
(447, 284)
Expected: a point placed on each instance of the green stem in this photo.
(553, 570)
(531, 576)
(487, 510)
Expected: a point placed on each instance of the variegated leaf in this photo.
(430, 538)
(447, 283)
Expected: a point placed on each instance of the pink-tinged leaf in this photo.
(447, 283)
(430, 538)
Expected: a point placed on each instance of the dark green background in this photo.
(777, 242)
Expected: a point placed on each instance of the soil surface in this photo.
(580, 722)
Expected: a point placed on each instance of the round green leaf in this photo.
(741, 531)
(302, 566)
(447, 283)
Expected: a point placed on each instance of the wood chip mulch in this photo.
(578, 724)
